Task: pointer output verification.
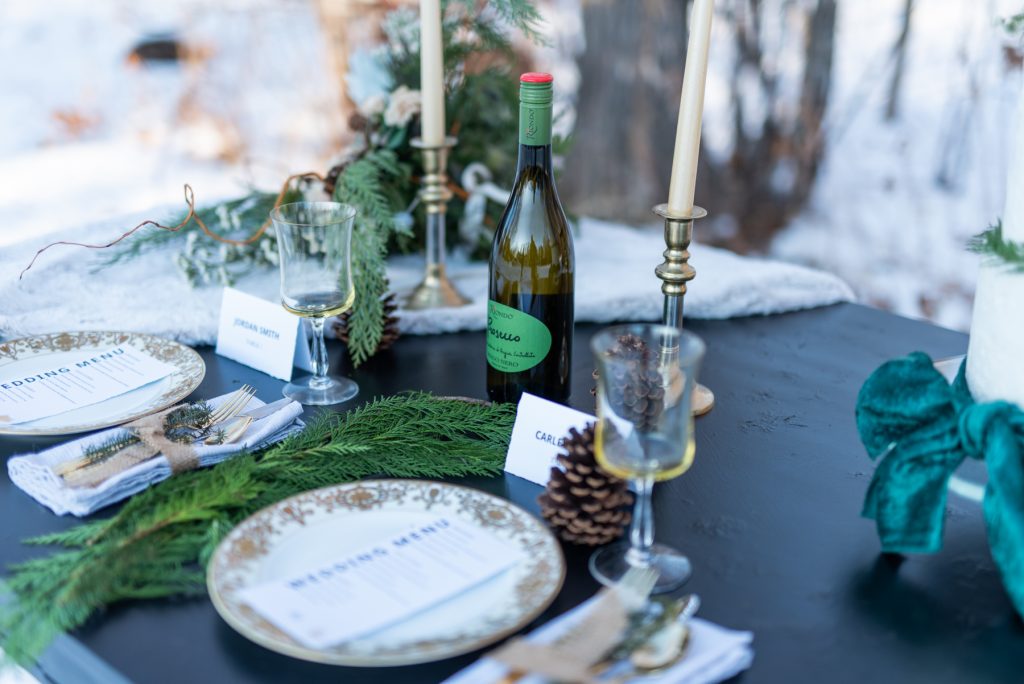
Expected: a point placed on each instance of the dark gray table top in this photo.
(769, 514)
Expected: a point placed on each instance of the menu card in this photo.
(362, 591)
(90, 378)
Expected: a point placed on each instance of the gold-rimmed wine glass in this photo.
(646, 378)
(314, 242)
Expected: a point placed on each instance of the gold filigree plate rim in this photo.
(191, 369)
(241, 624)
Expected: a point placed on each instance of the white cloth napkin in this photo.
(714, 654)
(33, 473)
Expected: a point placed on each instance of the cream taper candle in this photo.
(431, 74)
(691, 110)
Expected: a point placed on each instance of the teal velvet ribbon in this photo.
(923, 428)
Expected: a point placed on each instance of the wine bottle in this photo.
(532, 268)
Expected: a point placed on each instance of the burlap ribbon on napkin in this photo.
(149, 429)
(570, 657)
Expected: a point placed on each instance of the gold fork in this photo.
(231, 407)
(232, 433)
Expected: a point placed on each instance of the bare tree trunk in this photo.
(632, 71)
(770, 174)
(629, 99)
(900, 48)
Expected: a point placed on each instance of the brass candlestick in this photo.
(675, 272)
(435, 290)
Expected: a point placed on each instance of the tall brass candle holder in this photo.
(675, 272)
(435, 290)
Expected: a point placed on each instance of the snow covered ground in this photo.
(85, 134)
(896, 201)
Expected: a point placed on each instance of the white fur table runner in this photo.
(614, 270)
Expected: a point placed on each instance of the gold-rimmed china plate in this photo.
(306, 530)
(30, 354)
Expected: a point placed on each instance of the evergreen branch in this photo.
(78, 535)
(362, 185)
(106, 449)
(158, 544)
(995, 247)
(520, 15)
(523, 16)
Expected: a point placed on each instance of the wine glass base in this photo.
(609, 564)
(337, 390)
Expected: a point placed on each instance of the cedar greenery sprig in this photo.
(158, 544)
(993, 245)
(363, 183)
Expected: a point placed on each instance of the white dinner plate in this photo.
(32, 354)
(309, 529)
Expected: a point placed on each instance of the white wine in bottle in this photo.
(532, 269)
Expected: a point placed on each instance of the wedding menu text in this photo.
(362, 591)
(86, 379)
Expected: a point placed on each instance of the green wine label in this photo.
(516, 341)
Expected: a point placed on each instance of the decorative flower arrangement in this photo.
(378, 172)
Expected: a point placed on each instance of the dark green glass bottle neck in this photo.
(534, 157)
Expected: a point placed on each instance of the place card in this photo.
(262, 335)
(83, 380)
(537, 436)
(383, 583)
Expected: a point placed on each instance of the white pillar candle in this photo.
(691, 110)
(431, 73)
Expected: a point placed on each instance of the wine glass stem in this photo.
(319, 360)
(641, 534)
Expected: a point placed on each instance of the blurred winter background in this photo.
(864, 138)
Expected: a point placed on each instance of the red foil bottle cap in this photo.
(536, 77)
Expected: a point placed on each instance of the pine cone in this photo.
(391, 332)
(583, 503)
(636, 393)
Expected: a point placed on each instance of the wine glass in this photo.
(314, 241)
(646, 376)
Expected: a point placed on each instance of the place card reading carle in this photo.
(537, 436)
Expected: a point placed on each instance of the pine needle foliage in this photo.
(158, 544)
(994, 246)
(364, 184)
(519, 14)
